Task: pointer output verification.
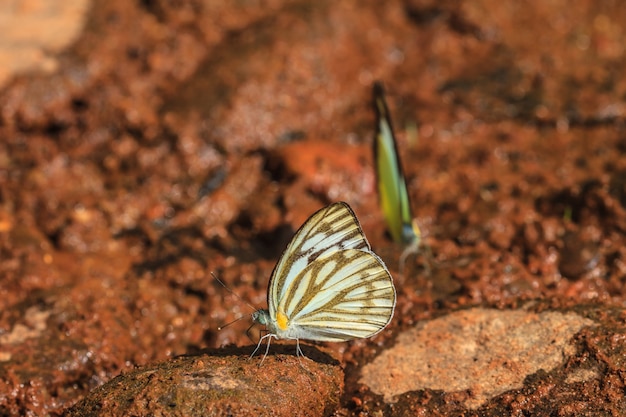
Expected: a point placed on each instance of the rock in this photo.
(489, 361)
(223, 382)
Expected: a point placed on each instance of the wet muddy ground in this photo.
(157, 143)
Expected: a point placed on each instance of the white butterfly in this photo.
(328, 284)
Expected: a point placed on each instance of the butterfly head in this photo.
(261, 317)
(411, 233)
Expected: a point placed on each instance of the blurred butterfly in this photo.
(328, 284)
(392, 191)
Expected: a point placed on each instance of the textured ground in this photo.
(146, 145)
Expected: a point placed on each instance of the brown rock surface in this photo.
(218, 383)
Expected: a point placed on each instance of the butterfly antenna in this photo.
(230, 322)
(234, 294)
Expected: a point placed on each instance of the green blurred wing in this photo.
(392, 191)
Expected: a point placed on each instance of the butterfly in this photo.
(392, 191)
(328, 284)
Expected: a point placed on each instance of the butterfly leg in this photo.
(269, 339)
(409, 250)
(300, 355)
(414, 249)
(267, 349)
(299, 352)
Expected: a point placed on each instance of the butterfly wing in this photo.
(340, 296)
(392, 189)
(331, 229)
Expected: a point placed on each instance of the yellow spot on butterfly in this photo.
(282, 321)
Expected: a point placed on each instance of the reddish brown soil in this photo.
(170, 142)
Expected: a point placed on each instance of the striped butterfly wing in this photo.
(392, 191)
(331, 229)
(344, 295)
(326, 267)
